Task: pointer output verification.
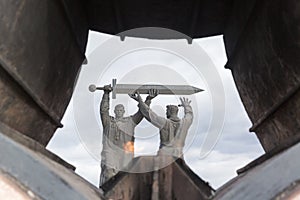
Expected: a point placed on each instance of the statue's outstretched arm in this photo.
(104, 108)
(150, 115)
(188, 111)
(138, 116)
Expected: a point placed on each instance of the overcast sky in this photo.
(78, 142)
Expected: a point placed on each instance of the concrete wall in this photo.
(265, 65)
(174, 181)
(40, 56)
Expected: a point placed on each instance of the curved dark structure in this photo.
(41, 56)
(42, 47)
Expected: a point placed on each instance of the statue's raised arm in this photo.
(149, 114)
(138, 116)
(104, 106)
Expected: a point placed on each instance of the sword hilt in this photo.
(114, 83)
(112, 88)
(93, 88)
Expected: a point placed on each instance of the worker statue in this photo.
(172, 129)
(118, 131)
(118, 136)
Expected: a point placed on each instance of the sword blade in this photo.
(163, 89)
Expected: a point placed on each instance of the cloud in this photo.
(218, 167)
(90, 170)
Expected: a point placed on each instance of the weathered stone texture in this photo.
(41, 54)
(174, 181)
(265, 68)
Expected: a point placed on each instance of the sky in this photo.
(226, 142)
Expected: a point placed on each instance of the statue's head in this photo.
(119, 111)
(172, 110)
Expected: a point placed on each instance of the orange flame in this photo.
(129, 147)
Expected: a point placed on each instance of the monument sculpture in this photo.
(118, 131)
(172, 129)
(118, 136)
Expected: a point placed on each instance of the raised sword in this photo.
(144, 89)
